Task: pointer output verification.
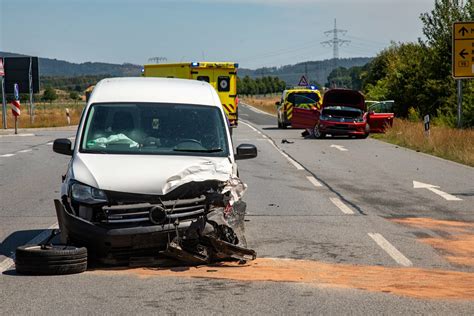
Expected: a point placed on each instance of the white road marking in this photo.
(292, 161)
(340, 205)
(10, 261)
(314, 182)
(341, 148)
(7, 155)
(25, 150)
(17, 135)
(434, 189)
(391, 250)
(257, 110)
(50, 143)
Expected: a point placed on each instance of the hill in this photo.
(62, 68)
(317, 71)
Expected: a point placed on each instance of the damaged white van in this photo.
(152, 173)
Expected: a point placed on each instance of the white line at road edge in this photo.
(314, 181)
(9, 262)
(340, 205)
(391, 250)
(257, 110)
(291, 160)
(7, 155)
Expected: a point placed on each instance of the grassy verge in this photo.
(266, 104)
(46, 115)
(449, 143)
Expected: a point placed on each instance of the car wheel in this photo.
(317, 132)
(50, 259)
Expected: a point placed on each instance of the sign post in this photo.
(4, 103)
(463, 58)
(16, 105)
(426, 120)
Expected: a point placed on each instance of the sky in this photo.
(254, 33)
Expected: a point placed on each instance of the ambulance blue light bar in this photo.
(194, 64)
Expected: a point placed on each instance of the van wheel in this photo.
(50, 259)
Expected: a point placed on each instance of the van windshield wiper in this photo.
(212, 150)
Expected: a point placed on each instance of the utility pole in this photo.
(336, 42)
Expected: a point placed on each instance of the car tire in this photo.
(50, 260)
(317, 132)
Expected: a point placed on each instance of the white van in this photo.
(152, 158)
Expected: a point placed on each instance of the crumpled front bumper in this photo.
(113, 245)
(343, 128)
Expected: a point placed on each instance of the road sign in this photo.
(426, 120)
(2, 70)
(463, 50)
(303, 82)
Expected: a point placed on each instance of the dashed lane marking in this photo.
(314, 182)
(339, 147)
(10, 261)
(7, 155)
(25, 150)
(391, 250)
(340, 205)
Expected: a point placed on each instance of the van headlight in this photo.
(86, 194)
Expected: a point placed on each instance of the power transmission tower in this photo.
(157, 60)
(336, 42)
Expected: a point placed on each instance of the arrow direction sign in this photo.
(434, 189)
(341, 148)
(463, 50)
(463, 31)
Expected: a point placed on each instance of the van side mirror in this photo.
(63, 146)
(246, 151)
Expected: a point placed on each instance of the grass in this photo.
(46, 115)
(266, 104)
(449, 143)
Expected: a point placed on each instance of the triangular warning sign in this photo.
(303, 81)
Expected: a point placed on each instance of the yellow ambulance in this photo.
(221, 75)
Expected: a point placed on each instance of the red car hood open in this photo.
(344, 97)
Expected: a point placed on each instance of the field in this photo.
(449, 143)
(266, 104)
(46, 115)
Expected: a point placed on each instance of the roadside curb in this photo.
(28, 131)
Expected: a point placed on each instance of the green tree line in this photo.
(418, 75)
(263, 85)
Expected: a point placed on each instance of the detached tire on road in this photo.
(52, 260)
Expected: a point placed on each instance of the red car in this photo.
(343, 112)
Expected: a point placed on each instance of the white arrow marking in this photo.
(341, 148)
(434, 189)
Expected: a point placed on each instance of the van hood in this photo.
(344, 97)
(147, 174)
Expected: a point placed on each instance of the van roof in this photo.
(162, 90)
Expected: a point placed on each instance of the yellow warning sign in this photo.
(463, 50)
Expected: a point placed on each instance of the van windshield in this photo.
(155, 128)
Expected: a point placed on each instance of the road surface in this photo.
(339, 225)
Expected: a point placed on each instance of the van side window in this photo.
(203, 78)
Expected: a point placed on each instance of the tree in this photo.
(73, 95)
(49, 95)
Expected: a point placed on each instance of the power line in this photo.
(336, 42)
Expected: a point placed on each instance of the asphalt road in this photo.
(338, 230)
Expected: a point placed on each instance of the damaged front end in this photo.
(195, 223)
